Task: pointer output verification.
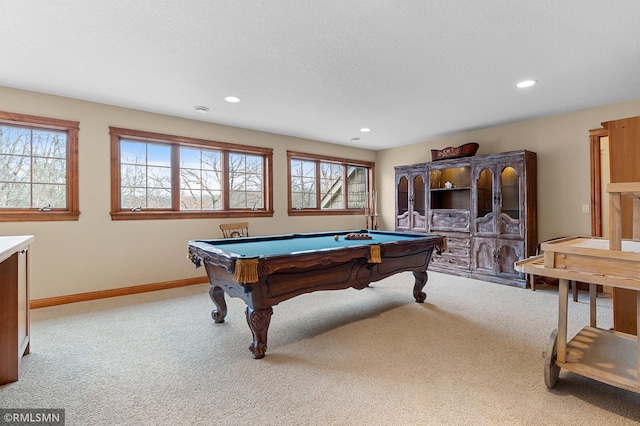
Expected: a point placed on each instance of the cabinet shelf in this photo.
(465, 188)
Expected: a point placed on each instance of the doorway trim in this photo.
(596, 187)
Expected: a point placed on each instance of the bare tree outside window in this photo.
(157, 176)
(200, 179)
(145, 175)
(331, 185)
(303, 184)
(246, 186)
(33, 168)
(325, 185)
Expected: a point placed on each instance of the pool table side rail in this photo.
(238, 265)
(218, 245)
(282, 277)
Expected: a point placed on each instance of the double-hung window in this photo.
(38, 168)
(156, 176)
(328, 185)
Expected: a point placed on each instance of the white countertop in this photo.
(13, 243)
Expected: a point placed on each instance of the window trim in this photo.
(33, 214)
(117, 133)
(317, 211)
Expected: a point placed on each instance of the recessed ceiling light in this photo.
(365, 129)
(526, 83)
(232, 99)
(201, 109)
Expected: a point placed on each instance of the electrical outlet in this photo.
(585, 208)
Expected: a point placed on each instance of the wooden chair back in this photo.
(235, 230)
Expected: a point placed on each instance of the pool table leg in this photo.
(216, 294)
(421, 280)
(259, 321)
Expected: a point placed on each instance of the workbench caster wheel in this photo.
(551, 370)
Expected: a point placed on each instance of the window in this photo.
(200, 179)
(156, 176)
(327, 185)
(38, 168)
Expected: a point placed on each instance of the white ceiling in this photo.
(411, 70)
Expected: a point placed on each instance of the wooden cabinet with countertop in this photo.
(14, 304)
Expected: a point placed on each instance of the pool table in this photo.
(264, 271)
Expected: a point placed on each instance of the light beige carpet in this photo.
(472, 355)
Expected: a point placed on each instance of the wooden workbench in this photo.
(609, 356)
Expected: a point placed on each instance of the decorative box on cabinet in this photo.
(485, 206)
(14, 304)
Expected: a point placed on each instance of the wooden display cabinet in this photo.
(485, 206)
(505, 215)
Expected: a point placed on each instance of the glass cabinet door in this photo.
(510, 192)
(485, 202)
(498, 201)
(484, 187)
(511, 204)
(419, 204)
(402, 191)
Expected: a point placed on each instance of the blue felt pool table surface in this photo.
(251, 247)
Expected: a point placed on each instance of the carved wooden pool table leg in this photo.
(217, 296)
(259, 321)
(420, 282)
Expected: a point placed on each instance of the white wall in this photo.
(562, 144)
(96, 253)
